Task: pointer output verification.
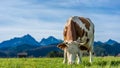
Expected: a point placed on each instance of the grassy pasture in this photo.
(99, 62)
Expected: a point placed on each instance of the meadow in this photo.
(99, 62)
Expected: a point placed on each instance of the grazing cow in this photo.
(78, 37)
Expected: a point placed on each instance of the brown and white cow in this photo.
(78, 37)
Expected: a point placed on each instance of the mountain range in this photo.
(29, 40)
(26, 43)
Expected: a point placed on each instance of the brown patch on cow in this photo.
(83, 48)
(79, 31)
(73, 31)
(87, 40)
(83, 32)
(61, 46)
(65, 33)
(70, 32)
(86, 34)
(86, 22)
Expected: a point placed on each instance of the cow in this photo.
(78, 37)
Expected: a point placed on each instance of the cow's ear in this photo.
(62, 46)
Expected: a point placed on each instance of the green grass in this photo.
(99, 62)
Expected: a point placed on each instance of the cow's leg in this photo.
(79, 56)
(91, 50)
(91, 56)
(71, 58)
(65, 57)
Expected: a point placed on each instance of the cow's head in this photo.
(71, 49)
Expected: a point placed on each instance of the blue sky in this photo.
(43, 18)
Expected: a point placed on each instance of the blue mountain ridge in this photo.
(111, 42)
(50, 40)
(26, 39)
(29, 40)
